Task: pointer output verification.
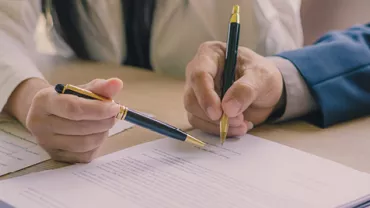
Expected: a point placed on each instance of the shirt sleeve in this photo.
(299, 101)
(17, 28)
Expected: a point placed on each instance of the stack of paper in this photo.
(245, 172)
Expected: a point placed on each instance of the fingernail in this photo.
(232, 107)
(211, 112)
(250, 125)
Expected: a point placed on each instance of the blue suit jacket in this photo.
(337, 71)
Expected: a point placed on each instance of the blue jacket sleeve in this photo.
(337, 71)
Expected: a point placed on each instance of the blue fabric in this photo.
(336, 69)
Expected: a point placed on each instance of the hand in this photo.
(249, 101)
(69, 128)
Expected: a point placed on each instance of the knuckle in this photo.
(210, 45)
(189, 101)
(198, 75)
(192, 120)
(73, 109)
(101, 111)
(87, 143)
(36, 124)
(110, 122)
(238, 131)
(84, 144)
(41, 96)
(84, 127)
(206, 45)
(244, 88)
(87, 157)
(266, 72)
(94, 82)
(31, 123)
(43, 141)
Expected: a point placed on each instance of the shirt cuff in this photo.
(9, 83)
(299, 101)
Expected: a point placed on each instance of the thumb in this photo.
(106, 88)
(239, 97)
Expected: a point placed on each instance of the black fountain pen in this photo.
(133, 116)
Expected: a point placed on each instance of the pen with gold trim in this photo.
(228, 76)
(133, 116)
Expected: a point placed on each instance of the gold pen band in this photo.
(122, 112)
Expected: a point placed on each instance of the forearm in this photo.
(18, 73)
(20, 100)
(19, 20)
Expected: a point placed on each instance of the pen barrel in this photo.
(71, 92)
(231, 57)
(154, 125)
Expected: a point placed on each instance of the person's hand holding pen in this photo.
(69, 128)
(252, 98)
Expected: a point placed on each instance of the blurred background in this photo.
(318, 17)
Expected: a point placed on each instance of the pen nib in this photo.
(223, 137)
(224, 126)
(195, 141)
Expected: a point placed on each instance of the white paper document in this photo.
(19, 149)
(245, 172)
(17, 153)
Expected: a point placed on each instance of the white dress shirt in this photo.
(179, 27)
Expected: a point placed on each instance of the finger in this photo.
(257, 115)
(215, 129)
(201, 72)
(240, 95)
(204, 91)
(83, 143)
(106, 88)
(73, 157)
(233, 122)
(64, 126)
(192, 106)
(75, 108)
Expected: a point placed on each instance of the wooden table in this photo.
(347, 143)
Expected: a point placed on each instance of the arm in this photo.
(19, 77)
(336, 70)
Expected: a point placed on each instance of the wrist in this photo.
(21, 98)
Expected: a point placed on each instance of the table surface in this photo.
(345, 143)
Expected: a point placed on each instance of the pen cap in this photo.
(236, 9)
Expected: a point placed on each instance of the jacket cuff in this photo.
(298, 101)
